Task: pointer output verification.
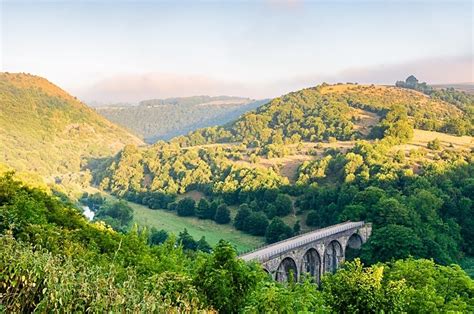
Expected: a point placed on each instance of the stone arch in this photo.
(287, 270)
(311, 264)
(355, 241)
(353, 245)
(333, 256)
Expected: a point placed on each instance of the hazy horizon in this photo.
(106, 51)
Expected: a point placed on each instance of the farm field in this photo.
(169, 221)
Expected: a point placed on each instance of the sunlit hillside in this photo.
(46, 130)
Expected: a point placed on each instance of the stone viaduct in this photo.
(313, 253)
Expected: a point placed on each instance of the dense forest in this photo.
(52, 259)
(163, 119)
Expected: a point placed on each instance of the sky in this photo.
(124, 51)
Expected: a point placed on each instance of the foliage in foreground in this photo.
(52, 259)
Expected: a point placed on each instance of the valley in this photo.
(170, 222)
(163, 119)
(392, 156)
(236, 157)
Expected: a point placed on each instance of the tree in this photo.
(283, 205)
(389, 211)
(355, 289)
(203, 246)
(225, 280)
(277, 230)
(313, 219)
(256, 224)
(118, 215)
(272, 297)
(187, 241)
(270, 210)
(202, 208)
(241, 217)
(157, 237)
(94, 201)
(411, 81)
(222, 214)
(186, 207)
(397, 125)
(210, 212)
(296, 227)
(392, 242)
(433, 288)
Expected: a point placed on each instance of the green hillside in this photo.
(352, 160)
(317, 157)
(333, 111)
(46, 130)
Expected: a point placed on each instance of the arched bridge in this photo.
(312, 253)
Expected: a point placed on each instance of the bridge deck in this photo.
(291, 243)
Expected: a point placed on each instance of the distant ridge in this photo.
(463, 87)
(162, 119)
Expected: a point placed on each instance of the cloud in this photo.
(136, 87)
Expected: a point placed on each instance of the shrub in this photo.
(277, 230)
(312, 219)
(186, 207)
(434, 144)
(222, 214)
(256, 224)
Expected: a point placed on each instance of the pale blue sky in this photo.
(125, 51)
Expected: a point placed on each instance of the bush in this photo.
(187, 241)
(157, 237)
(434, 144)
(202, 209)
(118, 215)
(256, 224)
(296, 227)
(312, 219)
(283, 205)
(241, 217)
(277, 230)
(222, 214)
(228, 282)
(186, 207)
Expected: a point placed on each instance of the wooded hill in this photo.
(357, 159)
(363, 160)
(163, 119)
(46, 130)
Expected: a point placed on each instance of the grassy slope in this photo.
(385, 97)
(46, 130)
(169, 221)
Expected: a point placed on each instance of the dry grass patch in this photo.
(421, 139)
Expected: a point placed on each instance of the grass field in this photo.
(169, 221)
